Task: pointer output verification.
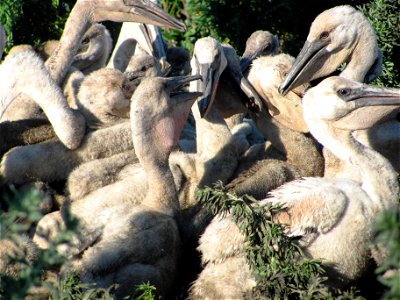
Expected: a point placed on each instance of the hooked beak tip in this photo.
(282, 90)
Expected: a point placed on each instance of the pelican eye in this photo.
(343, 92)
(85, 41)
(324, 35)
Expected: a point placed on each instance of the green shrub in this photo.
(387, 229)
(33, 21)
(385, 18)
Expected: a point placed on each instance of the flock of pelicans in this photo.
(131, 134)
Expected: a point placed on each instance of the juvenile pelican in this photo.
(320, 211)
(338, 35)
(93, 52)
(141, 243)
(344, 35)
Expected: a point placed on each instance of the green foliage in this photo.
(24, 205)
(281, 269)
(385, 18)
(33, 21)
(228, 21)
(387, 230)
(145, 291)
(10, 11)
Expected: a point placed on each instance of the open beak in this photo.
(174, 85)
(310, 59)
(136, 11)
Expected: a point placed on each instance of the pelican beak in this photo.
(208, 85)
(154, 41)
(254, 102)
(135, 11)
(370, 105)
(369, 95)
(310, 59)
(174, 84)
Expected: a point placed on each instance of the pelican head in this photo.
(266, 74)
(349, 105)
(332, 40)
(95, 46)
(140, 11)
(164, 102)
(209, 62)
(259, 43)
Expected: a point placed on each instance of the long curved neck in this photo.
(162, 194)
(216, 148)
(378, 178)
(364, 53)
(61, 59)
(212, 133)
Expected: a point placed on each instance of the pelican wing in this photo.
(312, 206)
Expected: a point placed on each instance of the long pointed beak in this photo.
(376, 96)
(311, 58)
(154, 40)
(175, 83)
(136, 11)
(208, 85)
(369, 105)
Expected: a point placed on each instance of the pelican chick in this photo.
(147, 245)
(319, 211)
(104, 98)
